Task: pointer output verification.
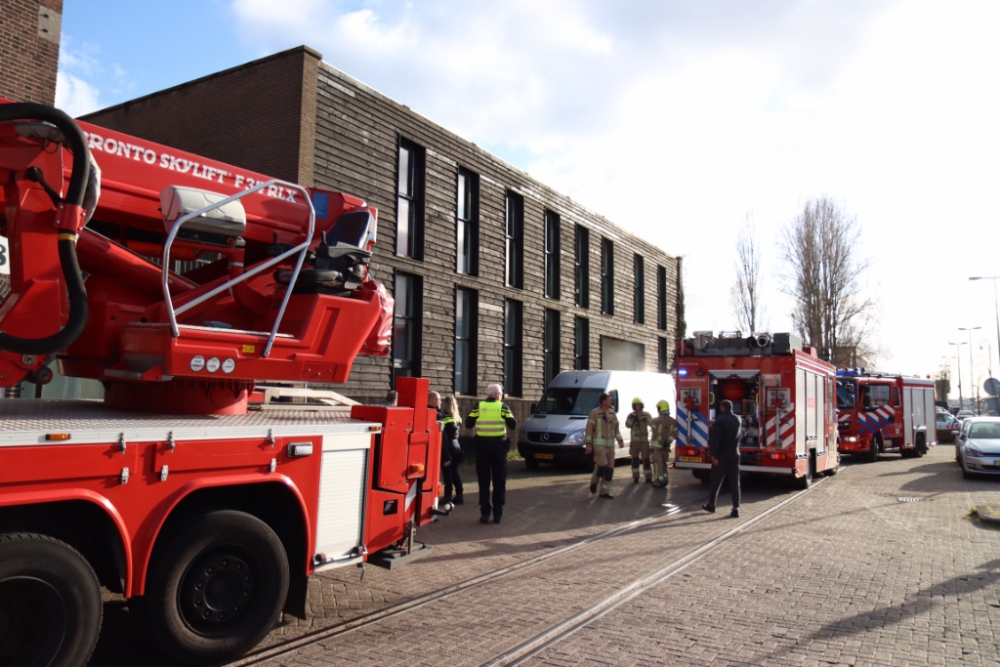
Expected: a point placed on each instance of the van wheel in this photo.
(50, 603)
(531, 463)
(217, 588)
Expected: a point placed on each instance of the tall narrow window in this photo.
(466, 318)
(406, 326)
(581, 346)
(467, 229)
(661, 354)
(512, 352)
(551, 346)
(551, 255)
(607, 277)
(582, 267)
(639, 290)
(661, 298)
(410, 201)
(515, 240)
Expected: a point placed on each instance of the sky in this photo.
(676, 119)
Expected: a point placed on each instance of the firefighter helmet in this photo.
(663, 406)
(636, 401)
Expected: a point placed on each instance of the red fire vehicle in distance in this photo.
(780, 389)
(206, 515)
(884, 413)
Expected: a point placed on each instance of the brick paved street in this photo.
(845, 575)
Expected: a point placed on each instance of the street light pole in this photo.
(972, 368)
(958, 358)
(996, 308)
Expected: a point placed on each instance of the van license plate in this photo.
(546, 457)
(691, 459)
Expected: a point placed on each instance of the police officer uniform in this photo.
(664, 433)
(639, 442)
(491, 419)
(602, 433)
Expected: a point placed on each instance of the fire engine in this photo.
(780, 389)
(884, 413)
(180, 283)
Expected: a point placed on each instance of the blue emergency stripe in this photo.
(699, 429)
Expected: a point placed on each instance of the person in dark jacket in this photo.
(492, 420)
(724, 450)
(451, 451)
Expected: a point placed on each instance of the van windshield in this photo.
(568, 401)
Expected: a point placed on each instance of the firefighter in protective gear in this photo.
(664, 434)
(602, 433)
(491, 419)
(639, 421)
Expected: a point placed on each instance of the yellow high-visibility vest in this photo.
(490, 422)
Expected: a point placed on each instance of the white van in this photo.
(556, 429)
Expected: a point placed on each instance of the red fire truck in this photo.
(780, 389)
(884, 413)
(180, 282)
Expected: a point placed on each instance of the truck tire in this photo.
(872, 455)
(50, 603)
(216, 589)
(702, 476)
(921, 447)
(805, 481)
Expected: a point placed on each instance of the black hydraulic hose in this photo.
(78, 305)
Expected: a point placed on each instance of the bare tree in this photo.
(745, 293)
(820, 248)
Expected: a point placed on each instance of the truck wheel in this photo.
(872, 456)
(50, 603)
(217, 589)
(805, 481)
(921, 447)
(702, 476)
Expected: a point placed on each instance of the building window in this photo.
(551, 346)
(639, 291)
(410, 201)
(468, 223)
(607, 277)
(515, 240)
(466, 302)
(581, 346)
(551, 255)
(512, 352)
(406, 327)
(582, 267)
(661, 298)
(661, 355)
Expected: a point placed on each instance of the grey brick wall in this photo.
(357, 134)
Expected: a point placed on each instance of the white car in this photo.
(964, 414)
(977, 447)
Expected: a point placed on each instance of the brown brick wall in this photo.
(260, 116)
(29, 49)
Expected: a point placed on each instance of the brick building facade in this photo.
(29, 49)
(497, 278)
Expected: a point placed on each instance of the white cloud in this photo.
(75, 96)
(674, 119)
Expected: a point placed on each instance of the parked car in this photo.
(964, 414)
(977, 447)
(947, 427)
(555, 430)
